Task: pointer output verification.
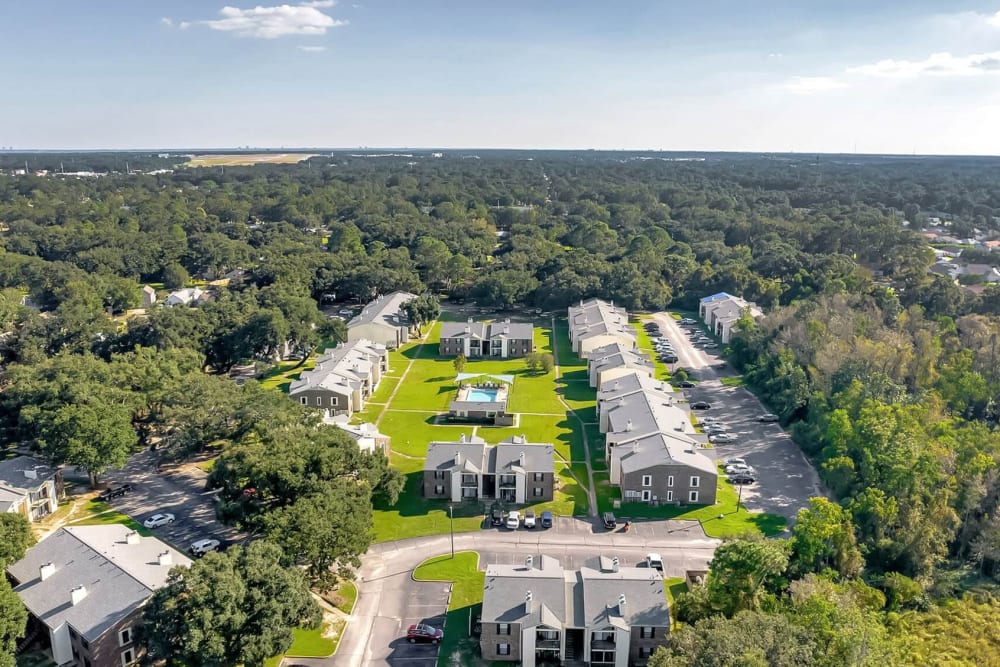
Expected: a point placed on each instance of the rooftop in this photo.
(24, 473)
(386, 310)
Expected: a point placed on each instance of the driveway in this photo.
(785, 478)
(179, 491)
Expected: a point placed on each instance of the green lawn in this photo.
(466, 592)
(312, 643)
(731, 523)
(646, 345)
(736, 381)
(99, 513)
(674, 586)
(347, 592)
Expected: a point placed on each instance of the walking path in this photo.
(402, 378)
(591, 488)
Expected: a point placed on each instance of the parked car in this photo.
(722, 437)
(743, 478)
(711, 346)
(609, 520)
(736, 460)
(202, 547)
(688, 320)
(513, 519)
(425, 634)
(671, 359)
(496, 515)
(716, 427)
(739, 468)
(345, 311)
(711, 420)
(116, 492)
(654, 560)
(529, 519)
(768, 417)
(701, 405)
(685, 384)
(158, 520)
(546, 519)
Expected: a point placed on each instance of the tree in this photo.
(823, 537)
(423, 309)
(15, 538)
(174, 277)
(749, 639)
(745, 573)
(459, 363)
(13, 619)
(533, 361)
(237, 607)
(547, 362)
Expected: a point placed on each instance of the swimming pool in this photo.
(480, 395)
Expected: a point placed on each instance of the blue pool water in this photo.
(482, 395)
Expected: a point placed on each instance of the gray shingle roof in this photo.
(118, 576)
(386, 310)
(658, 449)
(341, 368)
(441, 455)
(584, 598)
(481, 330)
(491, 459)
(537, 457)
(13, 477)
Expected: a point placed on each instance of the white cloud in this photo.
(937, 64)
(994, 20)
(169, 22)
(810, 85)
(312, 49)
(273, 22)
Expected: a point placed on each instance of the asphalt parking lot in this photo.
(179, 493)
(421, 602)
(785, 478)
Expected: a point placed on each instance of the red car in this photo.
(423, 633)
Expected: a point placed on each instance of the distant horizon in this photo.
(370, 149)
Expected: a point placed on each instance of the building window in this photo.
(439, 474)
(647, 480)
(319, 401)
(538, 492)
(503, 628)
(670, 480)
(539, 476)
(128, 656)
(439, 490)
(333, 401)
(670, 496)
(469, 480)
(124, 636)
(646, 632)
(645, 651)
(503, 649)
(693, 496)
(72, 633)
(695, 481)
(304, 400)
(647, 495)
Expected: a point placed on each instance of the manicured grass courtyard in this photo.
(99, 513)
(313, 643)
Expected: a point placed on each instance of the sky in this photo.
(903, 76)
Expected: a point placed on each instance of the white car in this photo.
(734, 461)
(710, 420)
(715, 428)
(202, 547)
(529, 519)
(654, 560)
(722, 437)
(739, 468)
(158, 520)
(345, 311)
(513, 519)
(768, 417)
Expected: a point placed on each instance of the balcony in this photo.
(508, 481)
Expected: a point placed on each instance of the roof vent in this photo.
(527, 603)
(520, 457)
(46, 571)
(165, 558)
(614, 564)
(77, 594)
(621, 604)
(30, 474)
(132, 537)
(529, 561)
(629, 426)
(458, 458)
(470, 322)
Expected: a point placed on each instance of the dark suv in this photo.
(496, 515)
(609, 520)
(108, 494)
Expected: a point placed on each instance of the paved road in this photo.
(785, 478)
(180, 492)
(390, 600)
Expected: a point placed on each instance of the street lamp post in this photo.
(451, 520)
(739, 499)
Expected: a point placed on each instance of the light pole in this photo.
(739, 499)
(451, 520)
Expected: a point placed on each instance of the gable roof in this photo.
(385, 310)
(477, 456)
(341, 369)
(118, 576)
(645, 598)
(717, 297)
(14, 474)
(483, 331)
(659, 449)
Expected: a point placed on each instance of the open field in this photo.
(247, 159)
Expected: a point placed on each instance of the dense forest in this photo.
(886, 373)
